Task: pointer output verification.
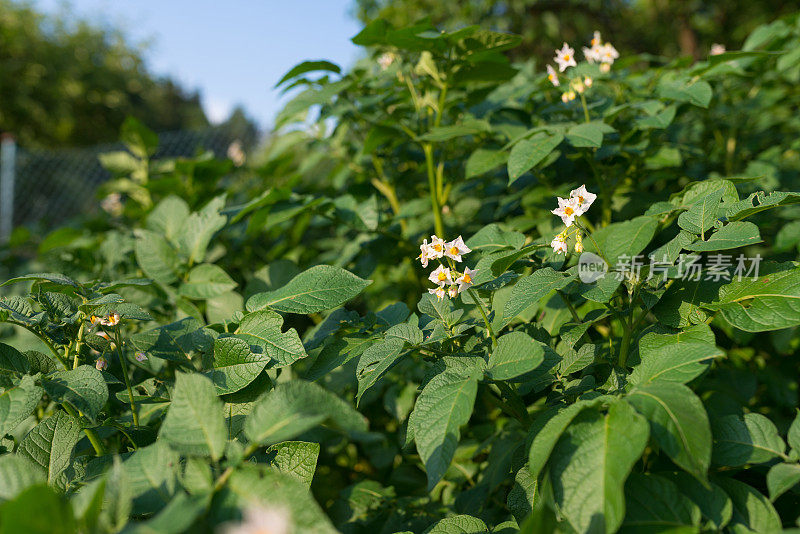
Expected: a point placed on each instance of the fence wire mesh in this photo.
(52, 186)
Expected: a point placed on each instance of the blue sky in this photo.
(233, 51)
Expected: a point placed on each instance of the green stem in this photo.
(124, 366)
(78, 345)
(585, 108)
(570, 307)
(99, 449)
(437, 212)
(626, 343)
(223, 478)
(475, 297)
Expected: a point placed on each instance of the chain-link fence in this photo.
(46, 187)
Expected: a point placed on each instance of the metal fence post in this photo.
(8, 156)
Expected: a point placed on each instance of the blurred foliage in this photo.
(72, 84)
(666, 27)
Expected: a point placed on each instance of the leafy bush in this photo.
(287, 346)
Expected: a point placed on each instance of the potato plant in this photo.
(454, 294)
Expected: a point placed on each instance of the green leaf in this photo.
(702, 212)
(492, 237)
(252, 482)
(590, 463)
(150, 474)
(793, 436)
(176, 517)
(376, 362)
(17, 403)
(769, 302)
(751, 439)
(263, 329)
(458, 524)
(443, 406)
(678, 423)
(548, 428)
(18, 473)
(54, 278)
(175, 341)
(83, 388)
(619, 242)
(195, 425)
(588, 134)
(156, 257)
(296, 458)
(781, 478)
(308, 66)
(527, 153)
(484, 160)
(206, 281)
(655, 504)
(198, 229)
(235, 365)
(295, 407)
(319, 288)
(732, 235)
(757, 202)
(37, 510)
(698, 93)
(50, 443)
(678, 362)
(752, 512)
(659, 120)
(531, 289)
(714, 503)
(13, 361)
(516, 354)
(168, 217)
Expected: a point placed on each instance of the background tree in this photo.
(72, 84)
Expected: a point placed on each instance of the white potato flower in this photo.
(424, 253)
(578, 243)
(260, 519)
(112, 319)
(466, 279)
(608, 54)
(583, 199)
(559, 244)
(452, 291)
(385, 60)
(577, 85)
(717, 49)
(441, 276)
(596, 39)
(101, 364)
(565, 57)
(439, 292)
(605, 67)
(567, 209)
(455, 248)
(236, 153)
(436, 248)
(587, 81)
(593, 54)
(552, 75)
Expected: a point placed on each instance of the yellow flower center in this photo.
(566, 57)
(580, 200)
(454, 251)
(568, 211)
(442, 277)
(550, 77)
(437, 247)
(467, 278)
